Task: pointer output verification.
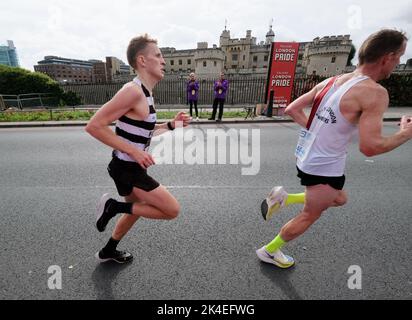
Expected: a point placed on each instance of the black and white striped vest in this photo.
(136, 132)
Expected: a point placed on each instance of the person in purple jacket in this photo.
(192, 90)
(220, 89)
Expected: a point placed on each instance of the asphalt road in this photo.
(51, 179)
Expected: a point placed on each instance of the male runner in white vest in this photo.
(351, 102)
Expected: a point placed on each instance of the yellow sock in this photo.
(275, 244)
(295, 198)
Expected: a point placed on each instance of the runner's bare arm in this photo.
(295, 109)
(160, 128)
(371, 141)
(181, 117)
(98, 126)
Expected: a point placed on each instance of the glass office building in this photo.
(8, 54)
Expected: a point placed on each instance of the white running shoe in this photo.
(274, 202)
(278, 258)
(197, 118)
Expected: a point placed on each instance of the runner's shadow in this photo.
(280, 277)
(103, 276)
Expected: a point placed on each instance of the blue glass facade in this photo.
(8, 55)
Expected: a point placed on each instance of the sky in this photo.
(91, 29)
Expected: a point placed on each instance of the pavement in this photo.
(52, 179)
(393, 114)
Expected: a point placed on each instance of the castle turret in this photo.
(224, 37)
(270, 36)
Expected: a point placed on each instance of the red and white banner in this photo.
(282, 71)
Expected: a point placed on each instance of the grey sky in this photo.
(91, 29)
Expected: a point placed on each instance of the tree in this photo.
(15, 81)
(19, 81)
(71, 98)
(351, 55)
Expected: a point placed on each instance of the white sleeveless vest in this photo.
(327, 154)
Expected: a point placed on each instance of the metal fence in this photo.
(28, 101)
(242, 91)
(173, 91)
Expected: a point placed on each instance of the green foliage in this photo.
(351, 55)
(19, 81)
(16, 81)
(71, 98)
(65, 115)
(400, 89)
(24, 116)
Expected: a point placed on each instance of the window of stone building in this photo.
(244, 57)
(333, 59)
(180, 62)
(205, 64)
(255, 58)
(233, 67)
(234, 57)
(214, 63)
(189, 61)
(172, 62)
(265, 58)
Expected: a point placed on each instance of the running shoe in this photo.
(274, 202)
(278, 258)
(102, 213)
(116, 255)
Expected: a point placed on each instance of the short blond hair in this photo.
(136, 46)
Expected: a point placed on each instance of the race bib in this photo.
(220, 91)
(306, 139)
(193, 92)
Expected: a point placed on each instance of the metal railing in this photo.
(28, 100)
(171, 93)
(246, 90)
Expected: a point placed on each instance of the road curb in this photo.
(5, 125)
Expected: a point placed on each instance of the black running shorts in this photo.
(127, 175)
(312, 180)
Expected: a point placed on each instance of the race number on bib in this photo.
(306, 139)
